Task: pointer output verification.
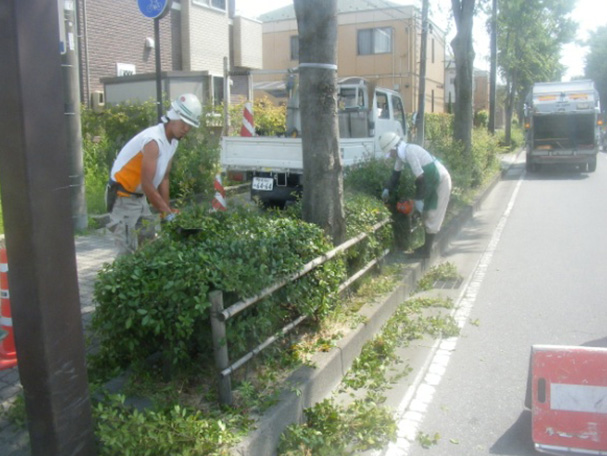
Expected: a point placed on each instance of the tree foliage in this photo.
(531, 34)
(596, 61)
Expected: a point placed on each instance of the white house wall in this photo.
(204, 48)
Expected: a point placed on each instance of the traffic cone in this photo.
(219, 201)
(8, 354)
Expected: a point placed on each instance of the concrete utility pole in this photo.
(71, 87)
(421, 104)
(493, 73)
(36, 193)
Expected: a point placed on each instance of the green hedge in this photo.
(157, 299)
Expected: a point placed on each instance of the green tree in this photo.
(596, 61)
(531, 34)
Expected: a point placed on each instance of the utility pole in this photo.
(71, 88)
(421, 103)
(36, 193)
(493, 73)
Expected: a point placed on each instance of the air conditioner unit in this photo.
(97, 101)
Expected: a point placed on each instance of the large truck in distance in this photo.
(275, 164)
(562, 123)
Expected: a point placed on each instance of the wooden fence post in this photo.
(220, 346)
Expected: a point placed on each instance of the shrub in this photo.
(466, 172)
(176, 431)
(269, 119)
(481, 118)
(369, 177)
(157, 299)
(96, 173)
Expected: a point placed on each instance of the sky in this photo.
(589, 14)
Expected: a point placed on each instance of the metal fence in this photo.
(219, 315)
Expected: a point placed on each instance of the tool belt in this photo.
(111, 193)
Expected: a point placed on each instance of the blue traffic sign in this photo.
(154, 9)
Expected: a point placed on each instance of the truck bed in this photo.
(261, 153)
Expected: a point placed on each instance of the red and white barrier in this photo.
(248, 124)
(8, 353)
(219, 200)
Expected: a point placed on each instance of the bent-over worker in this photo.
(432, 184)
(140, 174)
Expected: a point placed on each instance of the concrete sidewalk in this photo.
(93, 250)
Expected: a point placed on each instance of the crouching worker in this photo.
(140, 174)
(432, 184)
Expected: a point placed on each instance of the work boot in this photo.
(424, 250)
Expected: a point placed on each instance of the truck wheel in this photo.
(530, 166)
(592, 165)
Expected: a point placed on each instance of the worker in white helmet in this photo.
(140, 174)
(432, 184)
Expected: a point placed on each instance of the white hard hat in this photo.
(188, 108)
(388, 141)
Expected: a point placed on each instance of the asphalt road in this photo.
(534, 258)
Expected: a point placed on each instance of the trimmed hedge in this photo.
(156, 301)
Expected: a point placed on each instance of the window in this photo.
(350, 98)
(399, 112)
(375, 41)
(383, 110)
(219, 4)
(218, 95)
(294, 47)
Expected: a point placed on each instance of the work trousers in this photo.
(131, 223)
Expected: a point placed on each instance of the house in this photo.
(117, 48)
(378, 41)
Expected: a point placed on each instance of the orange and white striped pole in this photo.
(219, 200)
(248, 123)
(8, 353)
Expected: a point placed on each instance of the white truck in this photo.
(276, 163)
(562, 123)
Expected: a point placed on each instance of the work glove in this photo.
(385, 195)
(419, 206)
(170, 217)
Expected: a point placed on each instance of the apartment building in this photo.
(377, 40)
(117, 49)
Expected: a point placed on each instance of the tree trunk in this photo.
(511, 84)
(463, 13)
(323, 178)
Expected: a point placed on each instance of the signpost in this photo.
(156, 9)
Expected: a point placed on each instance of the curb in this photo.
(307, 385)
